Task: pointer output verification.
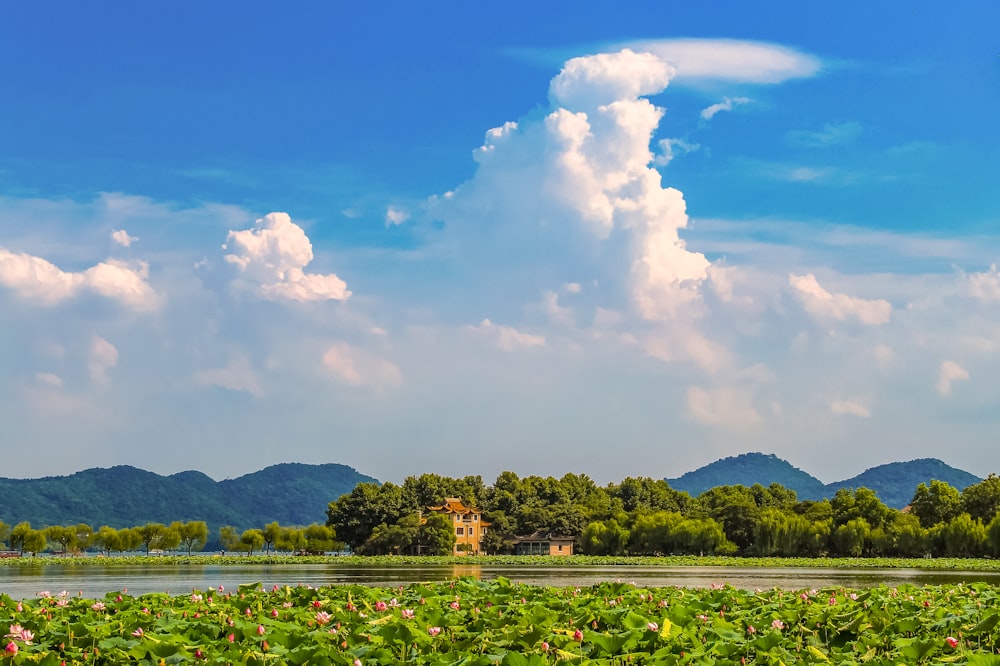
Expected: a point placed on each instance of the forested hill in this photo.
(746, 470)
(894, 483)
(123, 496)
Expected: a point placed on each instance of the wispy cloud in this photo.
(727, 104)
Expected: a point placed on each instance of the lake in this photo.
(94, 581)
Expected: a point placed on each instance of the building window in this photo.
(560, 548)
(460, 531)
(475, 516)
(483, 529)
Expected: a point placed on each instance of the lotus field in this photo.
(468, 621)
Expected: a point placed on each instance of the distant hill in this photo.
(747, 469)
(123, 496)
(894, 483)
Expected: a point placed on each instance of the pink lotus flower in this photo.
(454, 605)
(196, 598)
(778, 624)
(98, 606)
(274, 612)
(545, 646)
(11, 648)
(138, 633)
(434, 631)
(231, 638)
(357, 662)
(322, 617)
(198, 654)
(260, 630)
(578, 636)
(318, 603)
(652, 626)
(751, 629)
(406, 613)
(951, 641)
(380, 606)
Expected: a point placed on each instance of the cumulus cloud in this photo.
(358, 367)
(727, 104)
(949, 373)
(239, 375)
(505, 337)
(725, 407)
(850, 408)
(395, 215)
(38, 280)
(49, 379)
(102, 356)
(985, 286)
(121, 237)
(274, 253)
(825, 305)
(730, 60)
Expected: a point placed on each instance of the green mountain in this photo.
(747, 469)
(894, 483)
(123, 496)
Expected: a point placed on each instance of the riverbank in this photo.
(174, 560)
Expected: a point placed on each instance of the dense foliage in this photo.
(498, 622)
(291, 494)
(647, 517)
(892, 482)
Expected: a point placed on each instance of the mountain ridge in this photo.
(893, 482)
(126, 496)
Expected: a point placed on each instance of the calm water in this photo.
(94, 581)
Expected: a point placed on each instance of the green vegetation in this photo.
(498, 622)
(648, 517)
(291, 494)
(893, 482)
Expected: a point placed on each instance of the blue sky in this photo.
(615, 240)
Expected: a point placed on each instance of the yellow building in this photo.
(470, 528)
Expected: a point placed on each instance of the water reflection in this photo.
(95, 581)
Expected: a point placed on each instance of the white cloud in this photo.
(506, 338)
(274, 253)
(824, 305)
(669, 148)
(730, 60)
(49, 379)
(832, 134)
(950, 372)
(239, 375)
(727, 104)
(357, 367)
(121, 237)
(850, 408)
(395, 215)
(588, 82)
(725, 407)
(985, 286)
(102, 356)
(36, 279)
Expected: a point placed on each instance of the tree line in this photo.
(191, 536)
(644, 516)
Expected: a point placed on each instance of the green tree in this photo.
(252, 540)
(850, 538)
(4, 532)
(355, 515)
(934, 504)
(964, 537)
(34, 541)
(130, 539)
(291, 539)
(107, 539)
(848, 504)
(982, 500)
(993, 537)
(320, 538)
(271, 532)
(64, 536)
(156, 536)
(909, 538)
(436, 535)
(84, 535)
(18, 535)
(229, 537)
(604, 538)
(192, 535)
(736, 508)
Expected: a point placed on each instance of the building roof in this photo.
(541, 535)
